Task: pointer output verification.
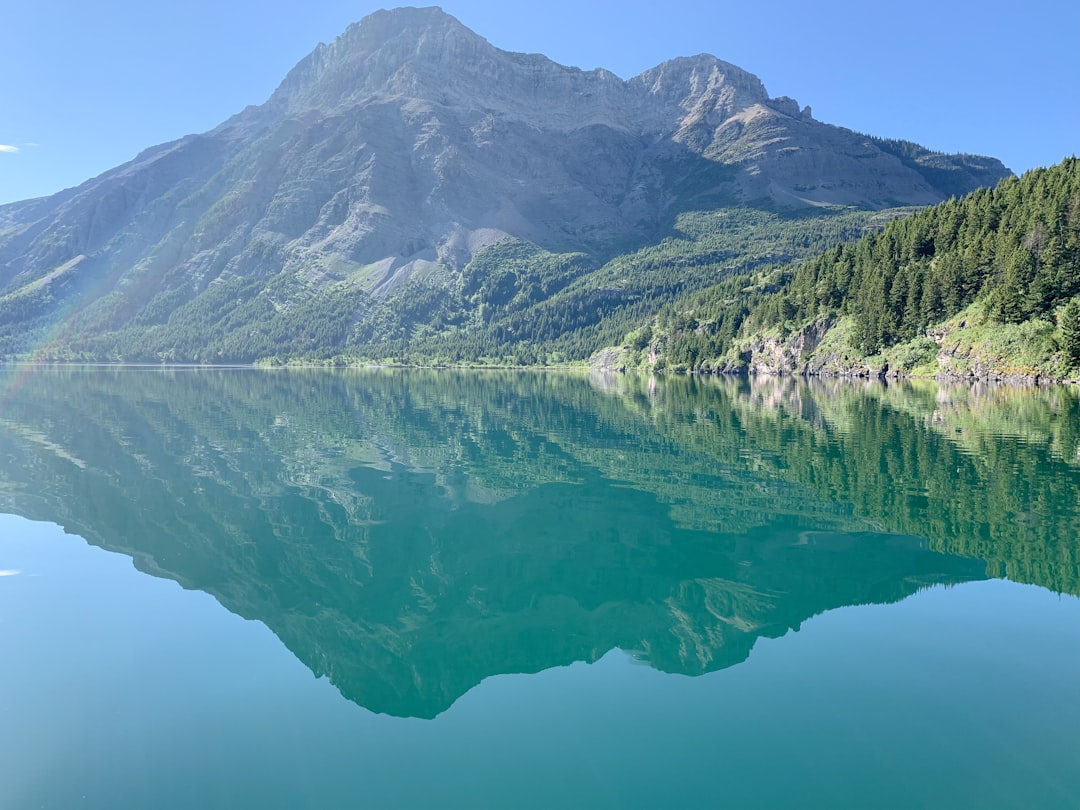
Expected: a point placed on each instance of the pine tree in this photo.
(1070, 332)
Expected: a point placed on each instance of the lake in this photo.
(440, 589)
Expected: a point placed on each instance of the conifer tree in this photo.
(1070, 332)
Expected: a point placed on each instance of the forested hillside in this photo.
(515, 303)
(988, 284)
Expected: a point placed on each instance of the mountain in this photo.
(380, 195)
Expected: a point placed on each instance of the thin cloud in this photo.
(8, 148)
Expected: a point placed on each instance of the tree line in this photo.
(1013, 249)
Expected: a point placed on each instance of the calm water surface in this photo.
(232, 589)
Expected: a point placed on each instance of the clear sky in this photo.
(85, 86)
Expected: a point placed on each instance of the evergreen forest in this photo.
(1001, 263)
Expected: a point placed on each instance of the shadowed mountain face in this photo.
(387, 161)
(409, 534)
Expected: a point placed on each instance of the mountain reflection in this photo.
(408, 534)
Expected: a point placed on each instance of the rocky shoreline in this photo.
(817, 351)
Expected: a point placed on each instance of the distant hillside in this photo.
(986, 286)
(412, 192)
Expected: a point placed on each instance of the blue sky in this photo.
(86, 86)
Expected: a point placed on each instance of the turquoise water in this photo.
(421, 589)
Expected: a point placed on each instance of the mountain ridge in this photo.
(394, 156)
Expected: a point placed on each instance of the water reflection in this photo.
(408, 534)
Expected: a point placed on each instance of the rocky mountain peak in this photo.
(370, 52)
(428, 55)
(694, 80)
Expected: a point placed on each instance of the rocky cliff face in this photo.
(409, 144)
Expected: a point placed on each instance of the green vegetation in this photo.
(1070, 333)
(513, 304)
(996, 259)
(980, 285)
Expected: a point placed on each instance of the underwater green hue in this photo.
(463, 556)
